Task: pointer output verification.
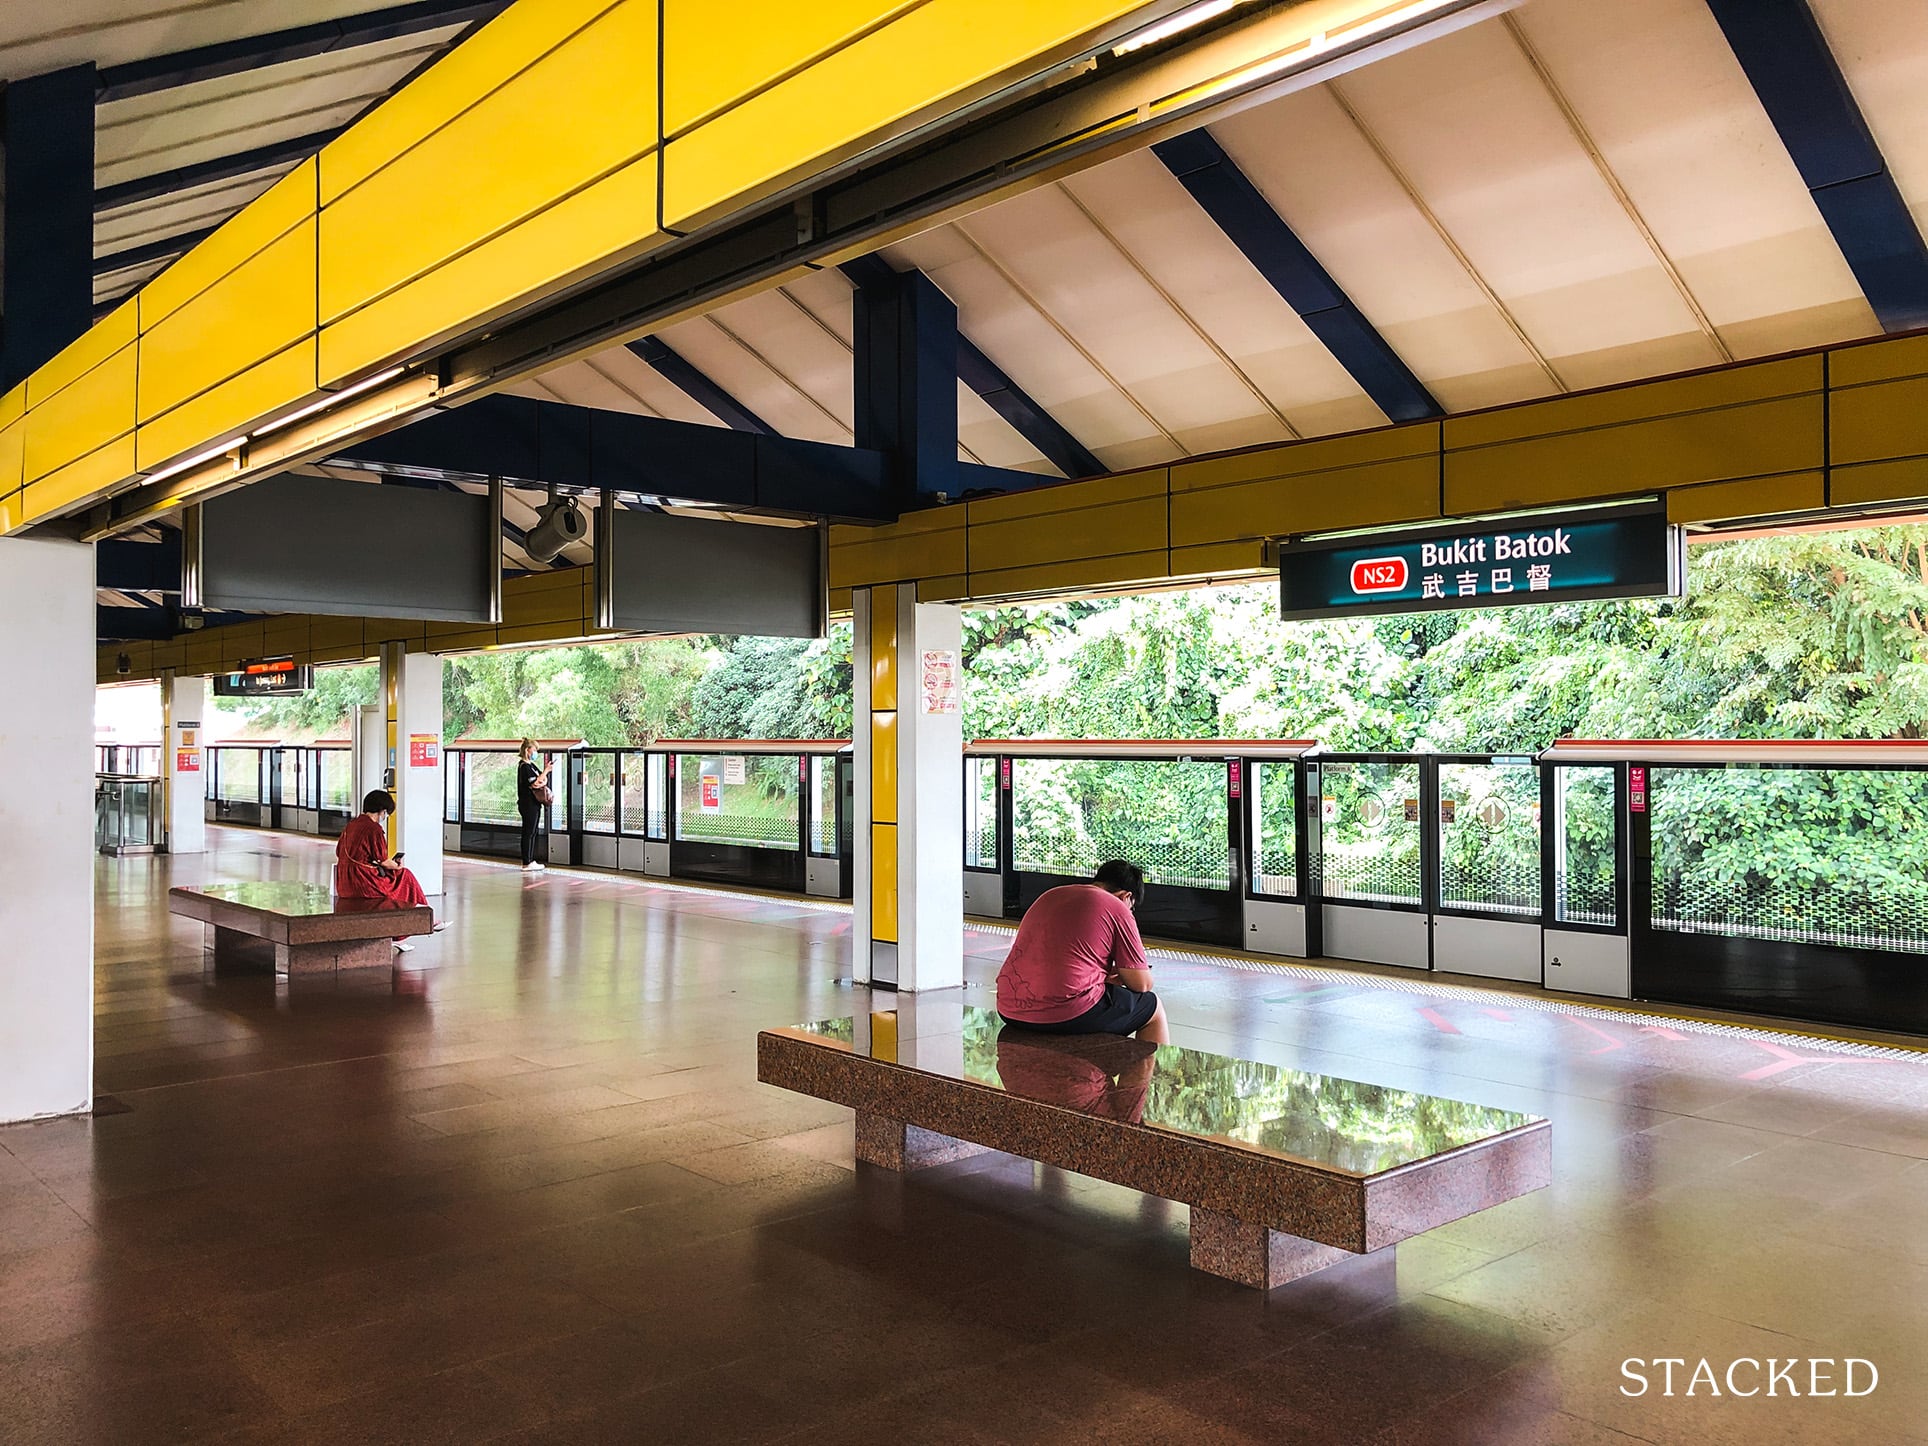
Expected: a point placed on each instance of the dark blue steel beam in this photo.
(1241, 211)
(1004, 396)
(1801, 87)
(127, 566)
(165, 249)
(904, 386)
(253, 52)
(697, 386)
(204, 173)
(552, 443)
(47, 229)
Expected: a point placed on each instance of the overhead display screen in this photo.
(265, 678)
(1544, 558)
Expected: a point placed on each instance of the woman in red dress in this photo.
(363, 868)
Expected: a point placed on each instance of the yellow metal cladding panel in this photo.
(1122, 527)
(579, 113)
(13, 456)
(1221, 559)
(893, 554)
(463, 78)
(883, 882)
(953, 588)
(883, 649)
(1678, 451)
(607, 223)
(256, 311)
(284, 380)
(1147, 568)
(1754, 497)
(714, 55)
(1406, 490)
(1878, 482)
(13, 405)
(1291, 459)
(1873, 423)
(77, 481)
(82, 417)
(278, 210)
(883, 767)
(930, 55)
(80, 356)
(1065, 497)
(840, 602)
(1880, 361)
(1759, 381)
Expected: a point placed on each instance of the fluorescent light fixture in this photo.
(1175, 25)
(1317, 45)
(188, 464)
(328, 401)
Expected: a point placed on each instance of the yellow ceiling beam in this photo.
(528, 160)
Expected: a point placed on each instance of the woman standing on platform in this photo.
(532, 795)
(364, 868)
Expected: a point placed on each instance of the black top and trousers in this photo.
(526, 804)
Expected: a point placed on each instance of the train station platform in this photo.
(528, 1189)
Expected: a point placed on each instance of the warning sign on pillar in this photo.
(940, 682)
(424, 750)
(187, 760)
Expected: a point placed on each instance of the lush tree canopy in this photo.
(1816, 635)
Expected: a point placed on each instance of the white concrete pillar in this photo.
(908, 886)
(184, 762)
(47, 829)
(412, 699)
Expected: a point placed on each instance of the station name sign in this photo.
(1603, 552)
(265, 678)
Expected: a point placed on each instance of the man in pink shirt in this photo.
(1078, 966)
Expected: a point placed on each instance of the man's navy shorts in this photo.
(1118, 1011)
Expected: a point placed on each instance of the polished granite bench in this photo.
(1286, 1172)
(307, 929)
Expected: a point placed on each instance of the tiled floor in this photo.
(529, 1191)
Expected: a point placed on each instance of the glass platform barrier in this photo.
(768, 813)
(1215, 823)
(127, 814)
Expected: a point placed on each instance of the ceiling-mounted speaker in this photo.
(562, 522)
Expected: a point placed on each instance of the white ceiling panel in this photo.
(393, 57)
(1290, 379)
(182, 211)
(1033, 353)
(1882, 48)
(588, 383)
(732, 362)
(1138, 337)
(983, 436)
(792, 340)
(1468, 121)
(142, 136)
(1679, 126)
(1323, 177)
(36, 35)
(191, 148)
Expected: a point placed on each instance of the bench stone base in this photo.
(1252, 1255)
(893, 1145)
(236, 950)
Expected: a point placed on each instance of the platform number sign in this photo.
(1569, 556)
